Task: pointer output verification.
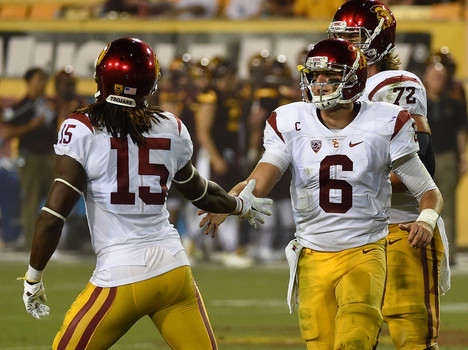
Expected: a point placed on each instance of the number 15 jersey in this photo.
(127, 185)
(340, 186)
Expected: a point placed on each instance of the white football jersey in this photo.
(398, 87)
(127, 186)
(406, 90)
(340, 186)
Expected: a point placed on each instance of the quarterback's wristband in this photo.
(33, 275)
(429, 216)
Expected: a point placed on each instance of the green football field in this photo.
(247, 308)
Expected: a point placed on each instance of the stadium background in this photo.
(247, 309)
(31, 35)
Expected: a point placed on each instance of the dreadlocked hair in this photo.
(121, 121)
(390, 61)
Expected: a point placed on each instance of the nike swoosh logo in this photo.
(390, 242)
(365, 251)
(354, 144)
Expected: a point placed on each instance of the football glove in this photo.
(252, 208)
(33, 297)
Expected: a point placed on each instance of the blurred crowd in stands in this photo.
(233, 9)
(194, 9)
(225, 116)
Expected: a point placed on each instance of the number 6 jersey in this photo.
(127, 186)
(340, 186)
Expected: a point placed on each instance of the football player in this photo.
(415, 276)
(340, 152)
(123, 156)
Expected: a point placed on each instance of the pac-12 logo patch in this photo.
(316, 145)
(118, 88)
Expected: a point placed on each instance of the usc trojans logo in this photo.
(102, 54)
(382, 12)
(118, 89)
(362, 61)
(359, 56)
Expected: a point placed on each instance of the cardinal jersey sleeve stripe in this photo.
(402, 118)
(273, 124)
(179, 124)
(82, 118)
(391, 80)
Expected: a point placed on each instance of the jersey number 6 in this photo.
(327, 184)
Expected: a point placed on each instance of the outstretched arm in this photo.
(266, 176)
(209, 196)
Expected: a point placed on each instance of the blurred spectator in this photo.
(454, 87)
(175, 95)
(219, 130)
(418, 2)
(66, 98)
(279, 8)
(142, 8)
(115, 7)
(273, 87)
(10, 192)
(244, 9)
(447, 117)
(65, 101)
(195, 9)
(33, 121)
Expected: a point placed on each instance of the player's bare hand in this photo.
(211, 221)
(420, 233)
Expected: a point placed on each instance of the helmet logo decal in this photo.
(382, 12)
(130, 90)
(316, 145)
(317, 62)
(102, 54)
(362, 61)
(118, 88)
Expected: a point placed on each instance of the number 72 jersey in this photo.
(398, 87)
(340, 186)
(126, 184)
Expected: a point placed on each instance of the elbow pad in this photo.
(426, 152)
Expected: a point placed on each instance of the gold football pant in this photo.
(340, 297)
(411, 304)
(100, 316)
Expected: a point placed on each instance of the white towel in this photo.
(445, 273)
(293, 251)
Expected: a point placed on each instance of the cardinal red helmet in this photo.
(369, 24)
(127, 71)
(337, 55)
